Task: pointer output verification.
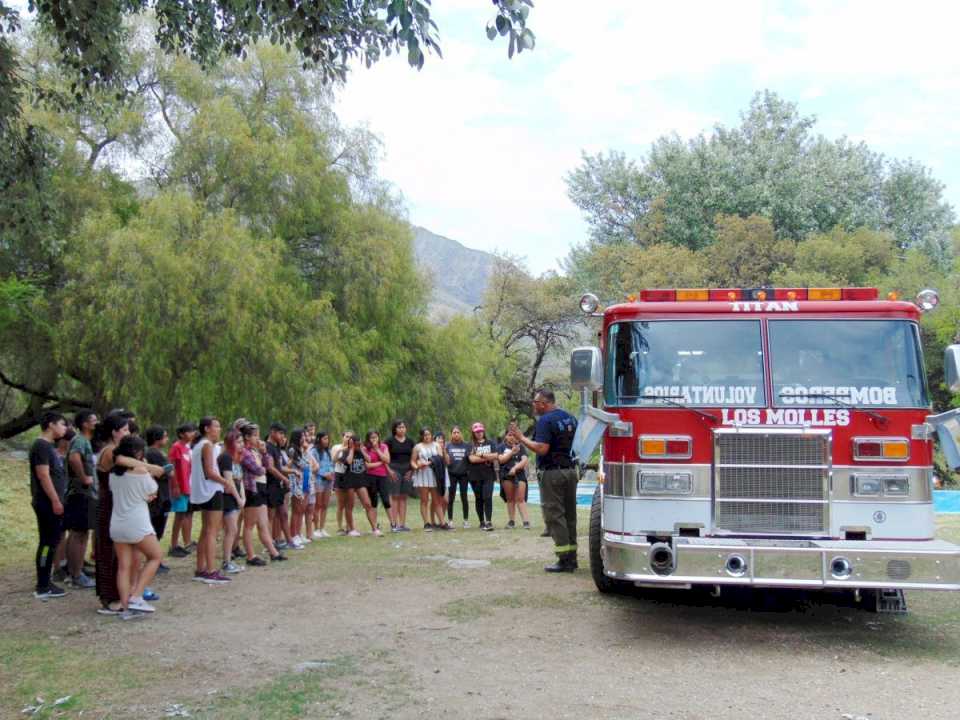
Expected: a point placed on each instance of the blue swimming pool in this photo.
(944, 501)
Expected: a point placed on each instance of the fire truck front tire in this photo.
(604, 584)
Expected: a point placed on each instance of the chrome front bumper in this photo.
(917, 565)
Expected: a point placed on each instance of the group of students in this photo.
(101, 477)
(432, 470)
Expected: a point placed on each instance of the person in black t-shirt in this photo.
(156, 454)
(482, 457)
(354, 485)
(400, 481)
(48, 485)
(513, 479)
(278, 486)
(552, 442)
(458, 465)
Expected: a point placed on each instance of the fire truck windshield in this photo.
(697, 362)
(865, 363)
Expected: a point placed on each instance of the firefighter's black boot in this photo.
(566, 562)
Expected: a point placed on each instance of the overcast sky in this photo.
(479, 144)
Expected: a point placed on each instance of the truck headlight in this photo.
(876, 485)
(898, 486)
(870, 485)
(661, 483)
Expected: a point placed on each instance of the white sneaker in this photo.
(466, 525)
(319, 534)
(354, 533)
(324, 534)
(305, 540)
(296, 544)
(377, 533)
(140, 605)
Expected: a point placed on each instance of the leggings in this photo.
(50, 530)
(460, 480)
(377, 487)
(483, 494)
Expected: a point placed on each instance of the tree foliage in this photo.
(529, 321)
(772, 165)
(262, 269)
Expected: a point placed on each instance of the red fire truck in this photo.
(768, 437)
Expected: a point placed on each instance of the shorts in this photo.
(229, 504)
(403, 485)
(353, 482)
(214, 504)
(180, 504)
(257, 498)
(338, 481)
(276, 494)
(49, 526)
(323, 486)
(296, 487)
(78, 512)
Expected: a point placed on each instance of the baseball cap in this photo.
(478, 427)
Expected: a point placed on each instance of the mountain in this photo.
(459, 274)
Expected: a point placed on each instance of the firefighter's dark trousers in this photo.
(558, 500)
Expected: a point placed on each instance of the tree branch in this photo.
(30, 417)
(43, 395)
(162, 102)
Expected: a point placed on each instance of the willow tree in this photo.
(262, 268)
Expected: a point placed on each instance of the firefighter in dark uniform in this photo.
(552, 442)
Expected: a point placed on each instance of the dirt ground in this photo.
(386, 628)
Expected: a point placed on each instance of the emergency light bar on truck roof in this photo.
(764, 293)
(926, 299)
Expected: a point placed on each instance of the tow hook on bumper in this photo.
(920, 565)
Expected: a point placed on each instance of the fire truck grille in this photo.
(767, 517)
(771, 482)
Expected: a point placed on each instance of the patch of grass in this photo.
(315, 692)
(32, 668)
(467, 609)
(18, 527)
(322, 690)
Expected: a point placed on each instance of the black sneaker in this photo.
(279, 557)
(526, 526)
(191, 547)
(488, 527)
(60, 574)
(257, 562)
(178, 552)
(511, 525)
(239, 554)
(163, 569)
(427, 527)
(51, 591)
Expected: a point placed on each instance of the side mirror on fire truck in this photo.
(951, 367)
(586, 369)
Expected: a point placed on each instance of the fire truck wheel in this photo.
(604, 584)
